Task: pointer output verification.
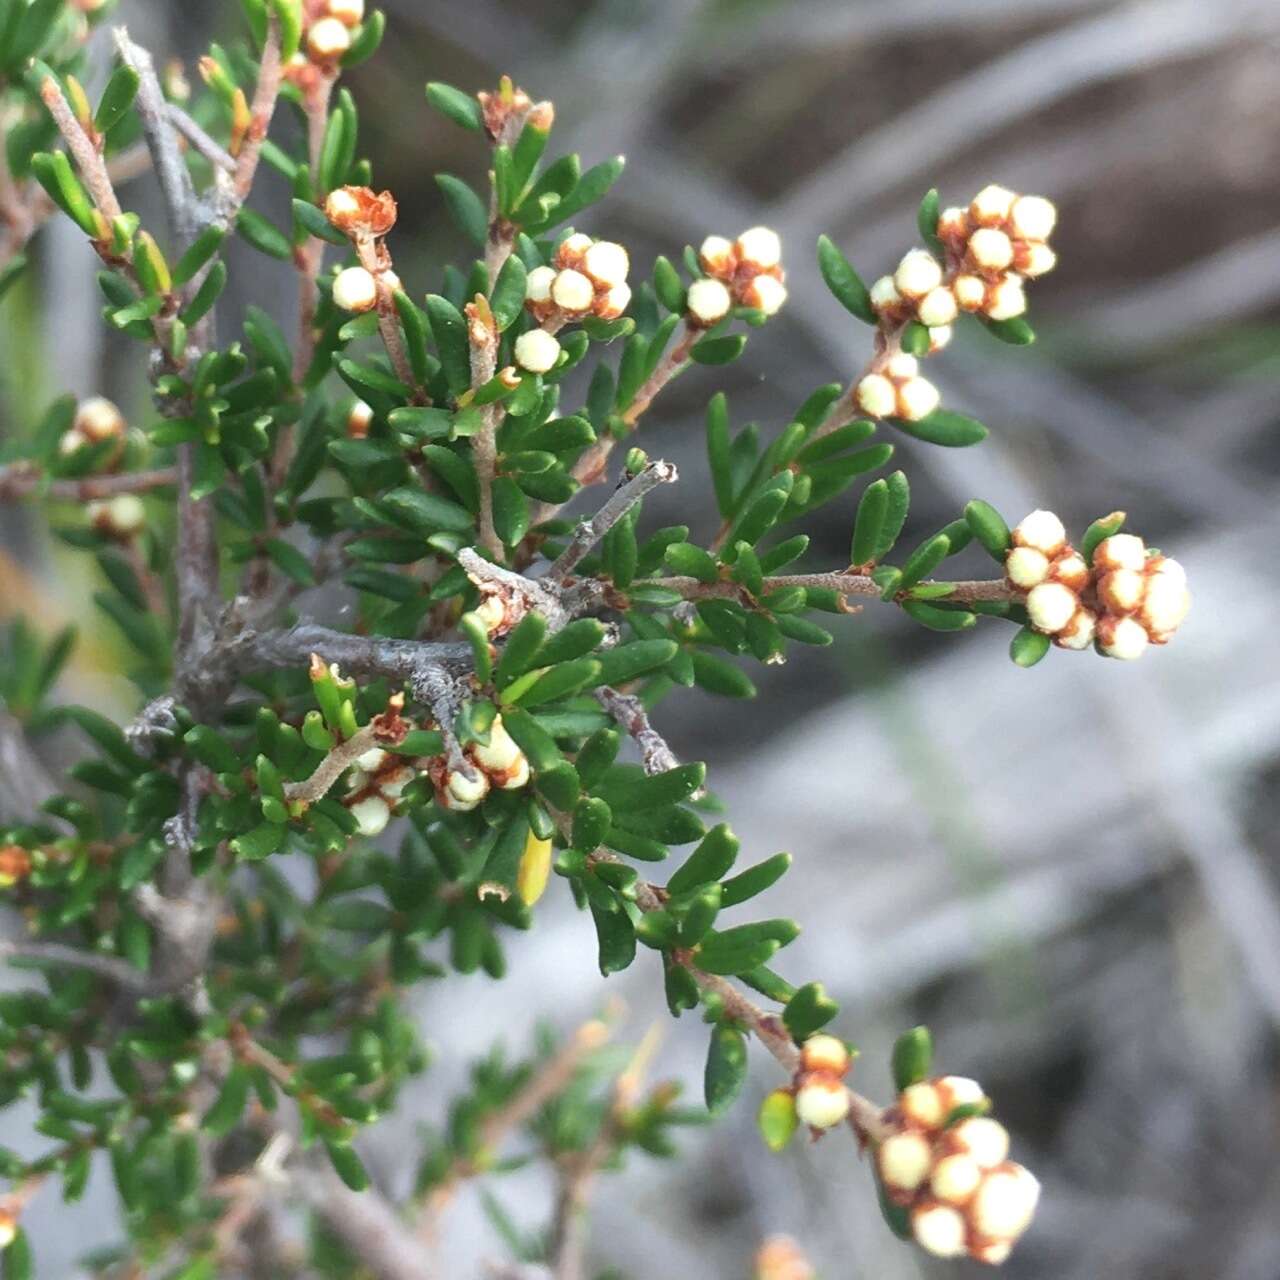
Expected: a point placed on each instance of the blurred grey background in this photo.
(1069, 873)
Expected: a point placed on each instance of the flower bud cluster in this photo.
(374, 787)
(1127, 599)
(121, 518)
(97, 419)
(499, 763)
(897, 390)
(822, 1098)
(588, 277)
(746, 272)
(994, 246)
(329, 30)
(963, 1193)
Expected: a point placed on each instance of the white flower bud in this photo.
(491, 613)
(923, 1105)
(1050, 606)
(824, 1053)
(902, 366)
(991, 205)
(884, 294)
(123, 516)
(537, 351)
(904, 1161)
(537, 285)
(70, 441)
(992, 1254)
(760, 247)
(341, 206)
(98, 419)
(571, 248)
(1035, 259)
(1033, 217)
(1121, 590)
(970, 292)
(1166, 567)
(372, 815)
(1167, 600)
(1123, 638)
(937, 307)
(1079, 632)
(1072, 571)
(372, 760)
(392, 784)
(390, 280)
(1005, 1203)
(953, 224)
(359, 420)
(517, 776)
(990, 249)
(500, 753)
(1006, 299)
(349, 12)
(766, 294)
(961, 1091)
(572, 291)
(917, 398)
(606, 263)
(918, 273)
(1041, 530)
(1120, 551)
(612, 304)
(938, 1229)
(463, 793)
(984, 1140)
(822, 1103)
(716, 255)
(877, 396)
(955, 1178)
(708, 301)
(328, 39)
(1026, 567)
(8, 1230)
(940, 338)
(355, 289)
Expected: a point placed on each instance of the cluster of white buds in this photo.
(97, 419)
(365, 216)
(122, 517)
(994, 246)
(822, 1097)
(917, 290)
(746, 272)
(588, 277)
(329, 30)
(499, 763)
(897, 390)
(374, 787)
(964, 1194)
(1130, 597)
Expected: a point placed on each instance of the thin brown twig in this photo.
(19, 479)
(265, 96)
(85, 151)
(846, 582)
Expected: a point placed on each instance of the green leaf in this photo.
(707, 863)
(260, 842)
(912, 1057)
(617, 939)
(558, 682)
(230, 1103)
(844, 282)
(868, 526)
(450, 332)
(944, 427)
(939, 619)
(989, 528)
(668, 286)
(289, 12)
(205, 245)
(630, 793)
(714, 351)
(809, 1010)
(591, 822)
(927, 221)
(429, 511)
(719, 454)
(1016, 332)
(346, 1164)
(718, 676)
(206, 295)
(465, 207)
(367, 40)
(460, 107)
(503, 863)
(520, 647)
(116, 98)
(507, 299)
(263, 235)
(754, 880)
(18, 1261)
(895, 515)
(627, 661)
(510, 511)
(10, 272)
(592, 187)
(53, 171)
(1027, 647)
(924, 560)
(726, 1068)
(777, 1120)
(313, 221)
(736, 950)
(915, 339)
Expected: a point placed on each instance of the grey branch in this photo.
(589, 532)
(210, 148)
(112, 968)
(410, 661)
(630, 713)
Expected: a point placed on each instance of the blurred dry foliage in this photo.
(1071, 874)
